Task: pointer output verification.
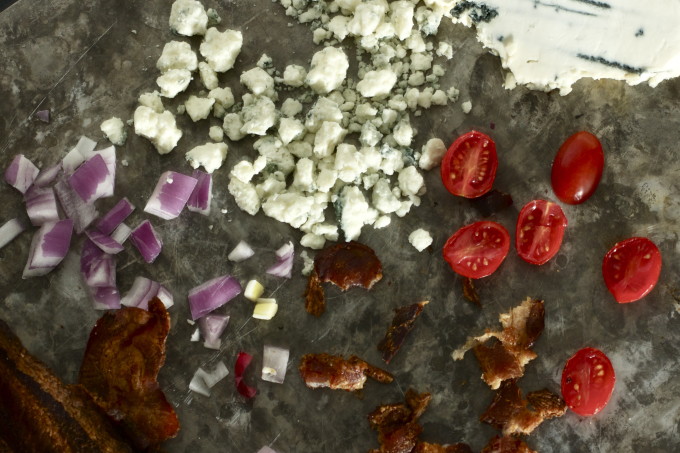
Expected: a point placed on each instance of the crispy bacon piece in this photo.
(41, 414)
(345, 265)
(397, 424)
(337, 373)
(424, 447)
(506, 358)
(125, 351)
(512, 414)
(507, 444)
(470, 292)
(402, 323)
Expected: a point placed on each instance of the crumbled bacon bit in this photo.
(402, 323)
(470, 292)
(512, 414)
(337, 373)
(497, 363)
(424, 447)
(507, 444)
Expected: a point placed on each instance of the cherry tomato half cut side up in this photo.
(588, 381)
(469, 166)
(631, 269)
(577, 168)
(540, 229)
(476, 250)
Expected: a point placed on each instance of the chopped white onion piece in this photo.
(115, 216)
(91, 180)
(253, 291)
(212, 294)
(266, 449)
(104, 242)
(212, 327)
(121, 234)
(48, 248)
(274, 364)
(200, 198)
(196, 335)
(21, 173)
(170, 195)
(265, 309)
(146, 240)
(109, 157)
(284, 265)
(197, 383)
(9, 230)
(143, 290)
(98, 268)
(241, 252)
(204, 380)
(47, 176)
(41, 205)
(76, 209)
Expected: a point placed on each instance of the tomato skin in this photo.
(588, 381)
(478, 249)
(631, 269)
(469, 165)
(577, 168)
(539, 232)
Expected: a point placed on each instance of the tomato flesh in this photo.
(577, 168)
(476, 250)
(539, 232)
(588, 381)
(631, 269)
(469, 166)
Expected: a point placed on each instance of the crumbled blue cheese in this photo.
(328, 70)
(259, 82)
(294, 75)
(208, 76)
(291, 107)
(177, 55)
(355, 212)
(288, 207)
(198, 108)
(411, 182)
(232, 125)
(349, 163)
(160, 128)
(220, 49)
(114, 129)
(173, 82)
(420, 239)
(188, 18)
(290, 129)
(327, 138)
(259, 114)
(224, 99)
(216, 133)
(377, 84)
(383, 199)
(432, 153)
(152, 100)
(245, 195)
(313, 241)
(210, 156)
(466, 107)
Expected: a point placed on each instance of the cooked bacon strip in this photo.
(345, 265)
(125, 351)
(397, 424)
(506, 359)
(336, 373)
(402, 323)
(41, 414)
(507, 444)
(424, 447)
(512, 414)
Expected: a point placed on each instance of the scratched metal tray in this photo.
(89, 60)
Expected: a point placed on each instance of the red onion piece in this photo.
(212, 294)
(76, 209)
(121, 234)
(115, 216)
(242, 361)
(284, 265)
(212, 327)
(10, 230)
(274, 363)
(146, 240)
(48, 248)
(241, 252)
(47, 176)
(98, 268)
(165, 296)
(43, 115)
(41, 205)
(170, 195)
(91, 180)
(142, 291)
(21, 173)
(76, 156)
(200, 198)
(104, 242)
(109, 156)
(107, 298)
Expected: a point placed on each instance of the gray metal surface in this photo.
(89, 60)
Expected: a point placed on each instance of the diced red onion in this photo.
(9, 230)
(104, 242)
(115, 216)
(76, 209)
(200, 198)
(21, 173)
(48, 248)
(109, 156)
(274, 364)
(121, 234)
(170, 195)
(98, 268)
(107, 298)
(146, 240)
(47, 176)
(212, 327)
(266, 449)
(284, 265)
(143, 290)
(242, 361)
(92, 180)
(76, 156)
(41, 205)
(203, 380)
(241, 252)
(212, 294)
(43, 115)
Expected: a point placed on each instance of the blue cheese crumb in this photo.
(420, 239)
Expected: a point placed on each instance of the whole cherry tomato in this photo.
(577, 168)
(631, 269)
(476, 250)
(539, 232)
(588, 381)
(469, 166)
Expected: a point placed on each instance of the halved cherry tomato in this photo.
(631, 269)
(577, 168)
(469, 166)
(588, 381)
(540, 229)
(476, 250)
